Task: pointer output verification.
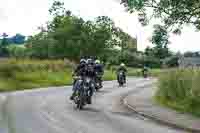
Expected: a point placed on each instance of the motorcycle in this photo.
(121, 78)
(145, 73)
(83, 93)
(98, 84)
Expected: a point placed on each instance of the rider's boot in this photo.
(72, 96)
(89, 100)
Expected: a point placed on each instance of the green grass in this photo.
(180, 90)
(30, 74)
(109, 75)
(138, 72)
(36, 79)
(39, 79)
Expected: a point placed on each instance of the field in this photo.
(29, 74)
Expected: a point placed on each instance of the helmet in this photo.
(89, 61)
(82, 61)
(122, 65)
(97, 61)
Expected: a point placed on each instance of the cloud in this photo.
(3, 16)
(23, 16)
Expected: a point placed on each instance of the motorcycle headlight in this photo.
(87, 80)
(86, 87)
(80, 80)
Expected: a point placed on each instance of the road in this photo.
(50, 111)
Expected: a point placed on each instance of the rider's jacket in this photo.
(80, 69)
(99, 68)
(123, 69)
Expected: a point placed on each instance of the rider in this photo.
(145, 69)
(99, 70)
(90, 72)
(79, 71)
(123, 69)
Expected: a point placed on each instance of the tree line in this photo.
(71, 37)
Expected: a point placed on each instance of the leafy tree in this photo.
(4, 44)
(160, 40)
(173, 13)
(191, 54)
(18, 39)
(17, 51)
(41, 46)
(149, 51)
(69, 36)
(171, 61)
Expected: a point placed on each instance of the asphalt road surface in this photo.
(51, 111)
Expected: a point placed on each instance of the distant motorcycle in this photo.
(145, 73)
(121, 78)
(83, 92)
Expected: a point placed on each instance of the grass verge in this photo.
(29, 74)
(179, 89)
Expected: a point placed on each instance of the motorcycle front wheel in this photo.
(81, 101)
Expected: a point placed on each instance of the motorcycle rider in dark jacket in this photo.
(79, 71)
(123, 69)
(144, 70)
(99, 70)
(90, 72)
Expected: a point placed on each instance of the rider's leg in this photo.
(74, 89)
(125, 78)
(100, 79)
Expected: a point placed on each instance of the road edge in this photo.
(157, 119)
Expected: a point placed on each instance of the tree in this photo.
(191, 54)
(77, 37)
(173, 13)
(41, 46)
(149, 51)
(4, 44)
(17, 51)
(18, 39)
(160, 40)
(69, 36)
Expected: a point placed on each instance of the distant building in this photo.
(185, 62)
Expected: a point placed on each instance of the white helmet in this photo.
(82, 61)
(97, 61)
(122, 64)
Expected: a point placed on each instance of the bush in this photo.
(17, 51)
(179, 89)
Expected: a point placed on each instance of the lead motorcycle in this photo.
(83, 93)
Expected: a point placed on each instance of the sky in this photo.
(24, 16)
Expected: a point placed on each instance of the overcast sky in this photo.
(24, 16)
